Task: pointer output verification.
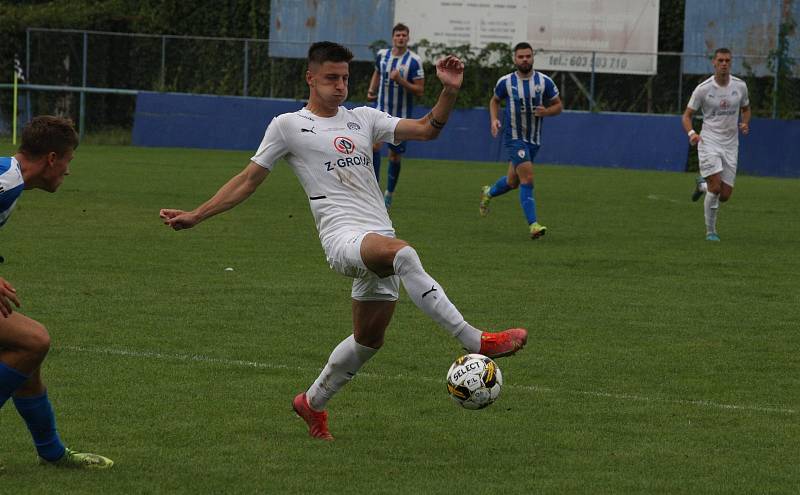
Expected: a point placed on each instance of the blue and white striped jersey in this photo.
(393, 98)
(522, 96)
(11, 186)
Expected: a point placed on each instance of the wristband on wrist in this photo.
(691, 133)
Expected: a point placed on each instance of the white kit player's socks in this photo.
(345, 360)
(431, 299)
(710, 208)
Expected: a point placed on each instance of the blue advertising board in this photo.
(295, 24)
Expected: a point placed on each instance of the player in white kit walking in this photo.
(721, 98)
(329, 148)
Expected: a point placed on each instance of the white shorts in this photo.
(343, 252)
(716, 160)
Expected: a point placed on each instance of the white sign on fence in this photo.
(623, 34)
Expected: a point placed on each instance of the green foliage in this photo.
(657, 363)
(482, 68)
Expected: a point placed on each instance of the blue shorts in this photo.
(520, 151)
(399, 149)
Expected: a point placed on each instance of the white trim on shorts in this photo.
(343, 252)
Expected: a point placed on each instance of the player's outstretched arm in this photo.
(450, 71)
(8, 295)
(236, 190)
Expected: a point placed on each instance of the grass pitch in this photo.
(657, 362)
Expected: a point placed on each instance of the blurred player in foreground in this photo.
(529, 96)
(397, 78)
(334, 166)
(720, 98)
(42, 162)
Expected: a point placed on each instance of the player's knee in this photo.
(406, 260)
(37, 342)
(395, 247)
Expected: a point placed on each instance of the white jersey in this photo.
(332, 158)
(720, 106)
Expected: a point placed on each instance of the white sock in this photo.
(431, 299)
(345, 360)
(703, 186)
(710, 208)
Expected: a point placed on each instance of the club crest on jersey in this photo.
(353, 126)
(344, 145)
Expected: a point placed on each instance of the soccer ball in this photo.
(474, 381)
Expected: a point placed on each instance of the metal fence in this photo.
(94, 76)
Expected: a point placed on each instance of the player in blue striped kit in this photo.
(530, 96)
(42, 162)
(397, 78)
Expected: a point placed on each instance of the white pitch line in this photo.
(656, 197)
(533, 388)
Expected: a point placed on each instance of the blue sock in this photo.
(499, 187)
(527, 202)
(376, 164)
(393, 175)
(10, 380)
(38, 415)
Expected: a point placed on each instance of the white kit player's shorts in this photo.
(715, 159)
(343, 251)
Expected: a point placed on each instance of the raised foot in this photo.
(537, 230)
(505, 343)
(484, 205)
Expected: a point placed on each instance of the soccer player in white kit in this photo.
(721, 98)
(329, 148)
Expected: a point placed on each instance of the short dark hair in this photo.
(45, 134)
(400, 27)
(523, 45)
(726, 51)
(328, 51)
